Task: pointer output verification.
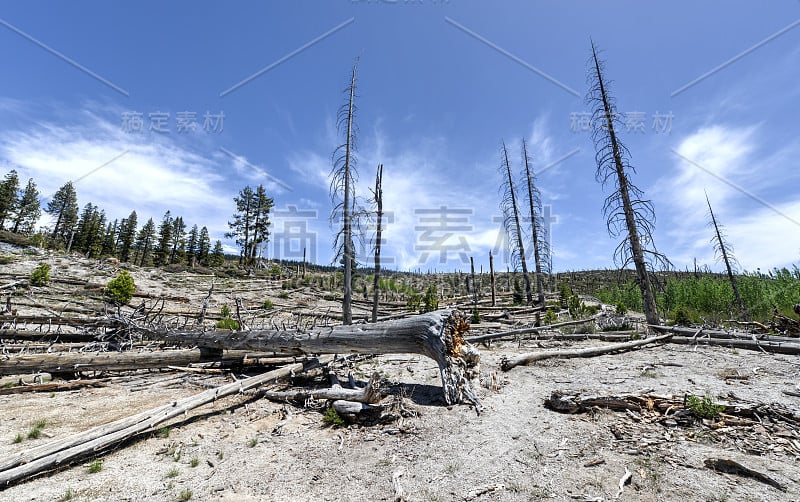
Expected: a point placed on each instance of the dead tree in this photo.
(723, 250)
(377, 195)
(511, 220)
(626, 210)
(540, 248)
(491, 276)
(343, 185)
(437, 335)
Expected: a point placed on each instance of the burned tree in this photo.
(723, 250)
(626, 210)
(377, 196)
(342, 190)
(511, 220)
(540, 248)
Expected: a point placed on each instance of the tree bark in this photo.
(437, 335)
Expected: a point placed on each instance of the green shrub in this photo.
(96, 466)
(120, 289)
(550, 317)
(41, 275)
(332, 418)
(704, 407)
(267, 305)
(414, 301)
(476, 316)
(682, 317)
(174, 268)
(430, 301)
(283, 295)
(227, 323)
(621, 309)
(5, 260)
(225, 311)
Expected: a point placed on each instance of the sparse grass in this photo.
(283, 295)
(18, 438)
(252, 443)
(185, 495)
(220, 455)
(173, 473)
(194, 462)
(37, 429)
(68, 495)
(163, 432)
(95, 466)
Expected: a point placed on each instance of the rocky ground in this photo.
(249, 448)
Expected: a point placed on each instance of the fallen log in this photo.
(522, 331)
(66, 450)
(70, 362)
(771, 345)
(437, 335)
(508, 363)
(54, 386)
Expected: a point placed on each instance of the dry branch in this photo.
(63, 451)
(530, 357)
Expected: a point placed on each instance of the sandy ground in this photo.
(245, 448)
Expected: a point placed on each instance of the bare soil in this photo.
(246, 448)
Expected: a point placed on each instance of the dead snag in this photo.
(530, 357)
(437, 335)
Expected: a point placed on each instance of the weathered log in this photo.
(69, 362)
(508, 363)
(771, 345)
(522, 331)
(437, 335)
(65, 450)
(54, 386)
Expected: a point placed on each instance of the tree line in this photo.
(90, 232)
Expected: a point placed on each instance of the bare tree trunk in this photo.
(491, 277)
(378, 194)
(637, 253)
(532, 200)
(474, 283)
(348, 256)
(723, 250)
(512, 206)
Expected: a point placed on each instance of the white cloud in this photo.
(120, 172)
(728, 164)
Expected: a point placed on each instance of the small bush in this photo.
(227, 323)
(68, 495)
(332, 418)
(194, 462)
(621, 309)
(41, 275)
(550, 317)
(5, 260)
(18, 438)
(267, 305)
(174, 268)
(173, 473)
(283, 295)
(430, 301)
(704, 407)
(185, 495)
(476, 316)
(96, 466)
(414, 301)
(120, 289)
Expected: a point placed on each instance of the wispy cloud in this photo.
(121, 172)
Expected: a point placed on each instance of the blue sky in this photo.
(441, 84)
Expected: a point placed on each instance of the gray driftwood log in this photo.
(508, 363)
(437, 335)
